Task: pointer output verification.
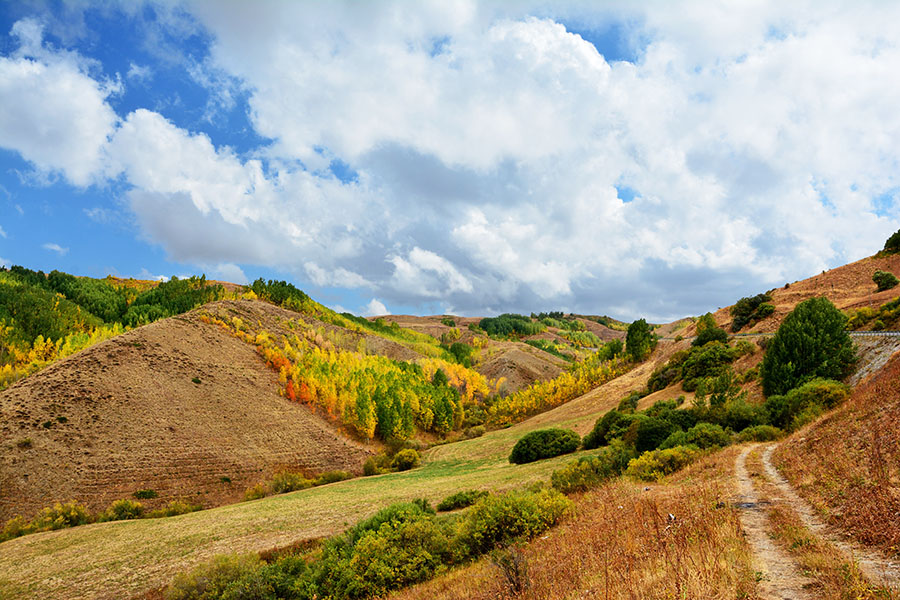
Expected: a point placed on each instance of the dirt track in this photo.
(780, 577)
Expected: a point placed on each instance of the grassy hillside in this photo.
(169, 545)
(848, 464)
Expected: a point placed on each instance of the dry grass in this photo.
(681, 540)
(833, 576)
(847, 465)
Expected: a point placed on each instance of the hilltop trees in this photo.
(892, 245)
(811, 342)
(639, 341)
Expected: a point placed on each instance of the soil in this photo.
(179, 407)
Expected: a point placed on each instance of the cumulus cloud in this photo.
(499, 161)
(54, 113)
(50, 246)
(375, 308)
(231, 273)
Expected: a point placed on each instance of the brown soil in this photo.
(125, 415)
(520, 364)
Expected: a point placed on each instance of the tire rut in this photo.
(781, 580)
(877, 568)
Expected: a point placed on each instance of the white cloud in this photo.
(2, 232)
(55, 248)
(375, 308)
(54, 114)
(146, 275)
(231, 273)
(139, 73)
(489, 144)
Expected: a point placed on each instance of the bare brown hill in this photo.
(848, 287)
(179, 407)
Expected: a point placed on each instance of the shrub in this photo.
(405, 460)
(145, 494)
(24, 443)
(499, 519)
(811, 342)
(590, 471)
(173, 509)
(123, 510)
(61, 515)
(285, 481)
(449, 322)
(819, 393)
(707, 435)
(750, 310)
(760, 433)
(639, 341)
(376, 465)
(648, 433)
(210, 580)
(460, 500)
(544, 443)
(474, 432)
(256, 492)
(708, 361)
(652, 466)
(604, 428)
(630, 402)
(708, 331)
(885, 280)
(333, 477)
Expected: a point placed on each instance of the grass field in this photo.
(121, 559)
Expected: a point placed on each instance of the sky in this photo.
(635, 159)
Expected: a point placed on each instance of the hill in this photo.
(178, 406)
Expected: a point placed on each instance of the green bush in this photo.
(284, 482)
(707, 435)
(376, 465)
(760, 433)
(708, 331)
(811, 398)
(173, 509)
(587, 472)
(122, 510)
(705, 362)
(461, 500)
(405, 460)
(474, 432)
(333, 477)
(499, 519)
(145, 494)
(654, 465)
(211, 579)
(811, 342)
(750, 310)
(544, 443)
(639, 341)
(885, 280)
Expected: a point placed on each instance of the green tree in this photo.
(892, 245)
(811, 342)
(708, 331)
(885, 280)
(639, 341)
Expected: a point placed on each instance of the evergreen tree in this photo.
(639, 341)
(811, 342)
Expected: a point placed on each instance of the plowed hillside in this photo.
(127, 414)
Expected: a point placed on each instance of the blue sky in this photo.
(468, 157)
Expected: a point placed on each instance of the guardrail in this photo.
(770, 334)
